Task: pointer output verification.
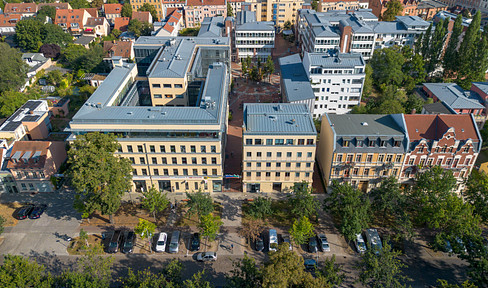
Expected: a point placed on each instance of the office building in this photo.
(253, 38)
(277, 11)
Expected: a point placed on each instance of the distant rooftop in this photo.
(364, 125)
(278, 119)
(438, 108)
(455, 96)
(31, 111)
(211, 27)
(295, 81)
(335, 60)
(246, 21)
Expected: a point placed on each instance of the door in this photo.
(363, 186)
(277, 187)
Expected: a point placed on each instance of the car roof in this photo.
(163, 235)
(322, 236)
(209, 253)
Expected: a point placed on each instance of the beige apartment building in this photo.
(278, 11)
(175, 144)
(279, 142)
(329, 5)
(136, 4)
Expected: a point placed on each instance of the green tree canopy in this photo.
(450, 59)
(382, 270)
(302, 202)
(154, 201)
(99, 177)
(126, 10)
(11, 101)
(260, 208)
(140, 28)
(17, 271)
(144, 228)
(245, 273)
(351, 206)
(301, 230)
(32, 34)
(387, 66)
(229, 10)
(209, 226)
(199, 203)
(393, 8)
(77, 4)
(149, 8)
(49, 11)
(476, 193)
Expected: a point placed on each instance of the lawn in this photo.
(76, 247)
(7, 212)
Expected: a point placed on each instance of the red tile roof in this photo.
(174, 16)
(92, 11)
(432, 127)
(204, 2)
(112, 8)
(69, 16)
(94, 21)
(168, 28)
(121, 23)
(20, 8)
(118, 48)
(142, 16)
(9, 20)
(57, 148)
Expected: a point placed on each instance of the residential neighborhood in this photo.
(244, 143)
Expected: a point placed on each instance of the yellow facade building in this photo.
(279, 143)
(278, 11)
(157, 4)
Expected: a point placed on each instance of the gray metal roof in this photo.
(243, 17)
(454, 96)
(438, 108)
(29, 112)
(282, 119)
(354, 125)
(452, 16)
(337, 60)
(211, 27)
(411, 21)
(176, 57)
(425, 4)
(34, 56)
(483, 86)
(294, 79)
(84, 40)
(256, 26)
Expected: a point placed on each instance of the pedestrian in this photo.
(232, 247)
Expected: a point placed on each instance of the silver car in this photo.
(206, 256)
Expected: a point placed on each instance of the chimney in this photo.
(414, 111)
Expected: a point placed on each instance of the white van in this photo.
(273, 240)
(175, 242)
(374, 240)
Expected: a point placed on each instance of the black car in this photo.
(113, 246)
(259, 245)
(195, 242)
(37, 211)
(129, 242)
(24, 212)
(312, 245)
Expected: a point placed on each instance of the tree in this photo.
(414, 102)
(302, 202)
(126, 10)
(197, 281)
(269, 67)
(230, 12)
(140, 28)
(209, 226)
(387, 66)
(50, 50)
(2, 224)
(144, 278)
(154, 201)
(468, 48)
(54, 34)
(11, 101)
(54, 77)
(150, 8)
(444, 284)
(393, 8)
(331, 272)
(91, 60)
(260, 208)
(115, 33)
(84, 238)
(368, 81)
(17, 271)
(301, 230)
(315, 5)
(71, 54)
(13, 70)
(28, 34)
(98, 176)
(199, 203)
(476, 193)
(251, 229)
(96, 3)
(436, 45)
(172, 271)
(77, 4)
(382, 270)
(450, 59)
(46, 11)
(245, 273)
(287, 25)
(351, 206)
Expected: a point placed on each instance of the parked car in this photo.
(195, 242)
(286, 239)
(129, 242)
(323, 244)
(113, 246)
(310, 264)
(174, 244)
(360, 244)
(24, 212)
(37, 211)
(161, 243)
(273, 240)
(206, 256)
(259, 244)
(312, 245)
(374, 240)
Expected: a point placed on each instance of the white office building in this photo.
(337, 81)
(253, 38)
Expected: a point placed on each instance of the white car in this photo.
(161, 243)
(360, 244)
(206, 256)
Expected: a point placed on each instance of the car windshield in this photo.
(195, 242)
(128, 244)
(113, 244)
(160, 242)
(313, 242)
(173, 245)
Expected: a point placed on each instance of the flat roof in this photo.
(294, 79)
(365, 125)
(278, 119)
(335, 60)
(29, 112)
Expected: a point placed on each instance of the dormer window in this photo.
(397, 143)
(421, 149)
(466, 149)
(371, 143)
(359, 143)
(382, 143)
(345, 143)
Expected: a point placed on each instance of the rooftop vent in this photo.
(417, 130)
(163, 113)
(364, 123)
(462, 130)
(272, 117)
(129, 113)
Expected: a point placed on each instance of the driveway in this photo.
(46, 234)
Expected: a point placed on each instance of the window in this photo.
(269, 141)
(139, 149)
(174, 160)
(278, 165)
(173, 148)
(297, 174)
(248, 141)
(142, 160)
(279, 142)
(158, 96)
(466, 149)
(397, 143)
(203, 149)
(168, 96)
(371, 143)
(144, 172)
(165, 172)
(132, 160)
(339, 158)
(183, 160)
(345, 143)
(268, 164)
(429, 162)
(382, 143)
(309, 141)
(288, 154)
(214, 171)
(298, 165)
(308, 165)
(278, 154)
(166, 85)
(129, 148)
(183, 149)
(389, 158)
(213, 149)
(175, 172)
(204, 160)
(196, 185)
(162, 148)
(421, 149)
(309, 154)
(185, 172)
(307, 174)
(154, 160)
(257, 142)
(268, 154)
(268, 174)
(349, 158)
(248, 174)
(398, 158)
(156, 172)
(289, 141)
(31, 186)
(163, 160)
(358, 158)
(214, 160)
(152, 149)
(381, 158)
(178, 85)
(248, 164)
(366, 171)
(359, 143)
(301, 141)
(258, 174)
(278, 174)
(204, 172)
(299, 154)
(195, 172)
(259, 154)
(248, 154)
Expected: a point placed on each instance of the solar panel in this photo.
(27, 155)
(17, 155)
(37, 154)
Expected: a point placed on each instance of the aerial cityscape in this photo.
(244, 143)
